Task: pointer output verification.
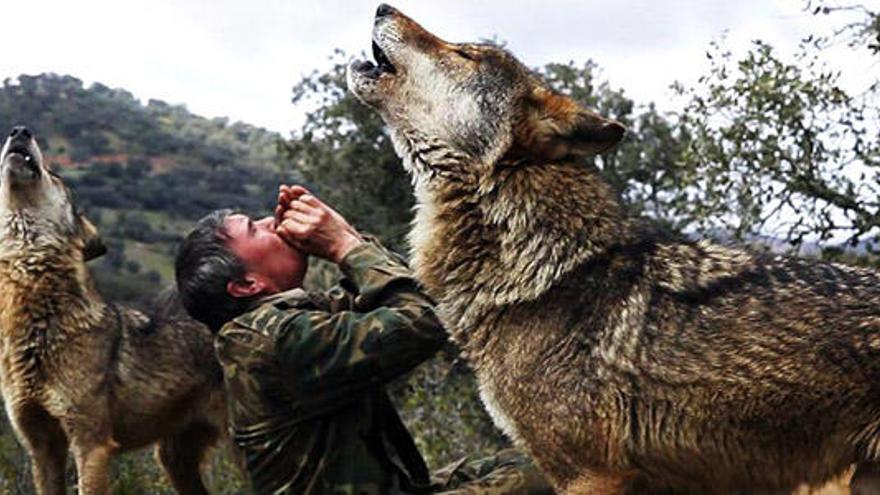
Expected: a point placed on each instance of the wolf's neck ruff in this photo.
(38, 275)
(512, 238)
(45, 300)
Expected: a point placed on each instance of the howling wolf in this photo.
(620, 358)
(76, 372)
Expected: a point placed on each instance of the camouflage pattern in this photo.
(305, 373)
(508, 472)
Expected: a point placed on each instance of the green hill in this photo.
(142, 172)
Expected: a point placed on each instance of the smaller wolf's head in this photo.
(453, 103)
(35, 203)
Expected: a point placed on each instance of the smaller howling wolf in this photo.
(80, 374)
(620, 358)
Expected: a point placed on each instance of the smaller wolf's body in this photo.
(622, 359)
(80, 374)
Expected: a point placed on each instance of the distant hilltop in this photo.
(101, 124)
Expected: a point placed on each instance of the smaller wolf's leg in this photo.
(49, 466)
(866, 479)
(49, 461)
(93, 468)
(46, 443)
(181, 457)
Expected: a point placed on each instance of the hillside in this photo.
(142, 172)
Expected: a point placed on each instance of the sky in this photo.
(240, 58)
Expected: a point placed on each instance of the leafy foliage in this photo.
(779, 147)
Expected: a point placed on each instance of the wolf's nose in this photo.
(384, 10)
(20, 132)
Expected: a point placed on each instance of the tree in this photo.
(861, 32)
(780, 147)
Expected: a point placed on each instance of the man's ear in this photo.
(559, 128)
(93, 246)
(248, 286)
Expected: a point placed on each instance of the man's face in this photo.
(270, 263)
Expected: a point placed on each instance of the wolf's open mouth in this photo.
(22, 155)
(20, 150)
(382, 65)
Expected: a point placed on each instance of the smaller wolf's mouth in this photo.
(22, 161)
(20, 149)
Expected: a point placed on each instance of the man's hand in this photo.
(311, 226)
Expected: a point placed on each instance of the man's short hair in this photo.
(204, 267)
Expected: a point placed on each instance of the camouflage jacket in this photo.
(305, 372)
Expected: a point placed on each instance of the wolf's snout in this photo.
(384, 10)
(20, 133)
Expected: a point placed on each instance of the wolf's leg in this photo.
(866, 479)
(181, 456)
(92, 467)
(45, 441)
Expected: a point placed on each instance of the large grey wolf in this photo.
(619, 358)
(78, 373)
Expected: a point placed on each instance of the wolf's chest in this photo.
(488, 394)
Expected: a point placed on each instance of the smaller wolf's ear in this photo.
(93, 246)
(562, 128)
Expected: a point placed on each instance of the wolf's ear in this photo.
(591, 134)
(562, 128)
(93, 246)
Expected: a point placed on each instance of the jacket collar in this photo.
(297, 294)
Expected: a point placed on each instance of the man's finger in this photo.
(310, 200)
(297, 205)
(291, 229)
(301, 218)
(297, 191)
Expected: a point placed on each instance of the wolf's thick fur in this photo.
(81, 374)
(620, 358)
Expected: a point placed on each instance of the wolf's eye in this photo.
(464, 54)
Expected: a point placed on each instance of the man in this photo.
(304, 371)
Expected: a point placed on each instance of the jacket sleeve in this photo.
(325, 356)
